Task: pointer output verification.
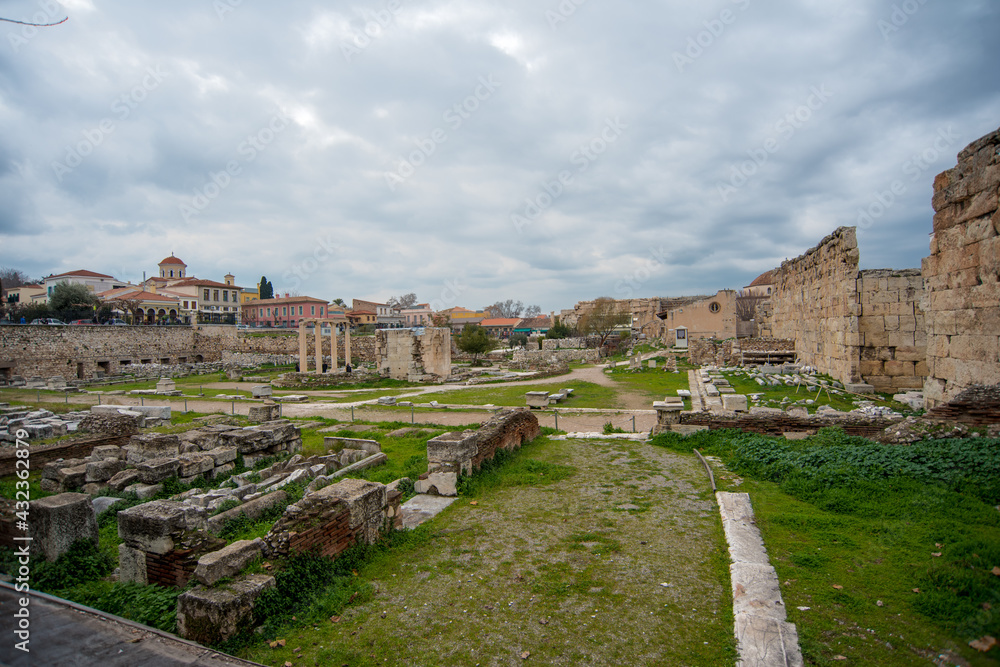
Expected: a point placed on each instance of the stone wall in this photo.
(962, 275)
(978, 405)
(403, 354)
(529, 357)
(564, 344)
(781, 422)
(816, 304)
(79, 352)
(892, 330)
(72, 449)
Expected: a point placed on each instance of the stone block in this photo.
(261, 391)
(192, 465)
(59, 521)
(107, 452)
(438, 484)
(248, 441)
(141, 448)
(153, 526)
(227, 561)
(537, 399)
(103, 470)
(711, 390)
(157, 470)
(211, 615)
(263, 413)
(735, 402)
(222, 455)
(252, 508)
(364, 499)
(74, 477)
(859, 388)
(132, 565)
(94, 488)
(333, 444)
(896, 368)
(123, 479)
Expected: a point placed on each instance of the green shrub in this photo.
(82, 562)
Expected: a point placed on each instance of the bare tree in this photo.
(402, 302)
(506, 309)
(533, 311)
(602, 320)
(128, 304)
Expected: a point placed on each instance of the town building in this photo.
(284, 312)
(419, 315)
(702, 317)
(500, 327)
(95, 282)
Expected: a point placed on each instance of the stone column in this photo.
(303, 348)
(347, 344)
(319, 348)
(333, 346)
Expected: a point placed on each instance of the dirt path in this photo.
(622, 563)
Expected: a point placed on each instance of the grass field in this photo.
(585, 395)
(885, 553)
(773, 396)
(654, 382)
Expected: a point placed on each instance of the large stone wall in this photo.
(404, 354)
(962, 275)
(79, 352)
(816, 304)
(892, 329)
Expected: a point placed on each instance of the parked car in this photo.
(242, 327)
(51, 321)
(116, 322)
(82, 322)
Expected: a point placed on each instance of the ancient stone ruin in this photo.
(414, 355)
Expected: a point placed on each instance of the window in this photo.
(225, 297)
(261, 313)
(215, 295)
(204, 295)
(284, 310)
(312, 310)
(269, 312)
(300, 310)
(769, 291)
(714, 307)
(171, 273)
(185, 305)
(321, 310)
(194, 305)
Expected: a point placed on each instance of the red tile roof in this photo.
(81, 273)
(763, 279)
(285, 299)
(173, 260)
(500, 322)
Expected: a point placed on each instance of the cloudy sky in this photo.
(471, 151)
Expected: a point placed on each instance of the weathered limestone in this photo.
(59, 521)
(735, 402)
(962, 275)
(537, 399)
(141, 448)
(210, 615)
(462, 453)
(403, 354)
(227, 561)
(252, 509)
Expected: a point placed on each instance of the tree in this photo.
(519, 339)
(558, 330)
(441, 320)
(265, 288)
(402, 302)
(73, 301)
(532, 311)
(475, 340)
(10, 278)
(506, 309)
(129, 305)
(339, 302)
(602, 320)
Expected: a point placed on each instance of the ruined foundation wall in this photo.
(403, 354)
(962, 275)
(892, 329)
(815, 303)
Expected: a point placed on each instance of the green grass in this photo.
(655, 382)
(366, 395)
(585, 395)
(913, 528)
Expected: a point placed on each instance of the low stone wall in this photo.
(68, 449)
(978, 405)
(564, 344)
(552, 357)
(451, 455)
(712, 352)
(779, 423)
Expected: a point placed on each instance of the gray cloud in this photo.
(191, 97)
